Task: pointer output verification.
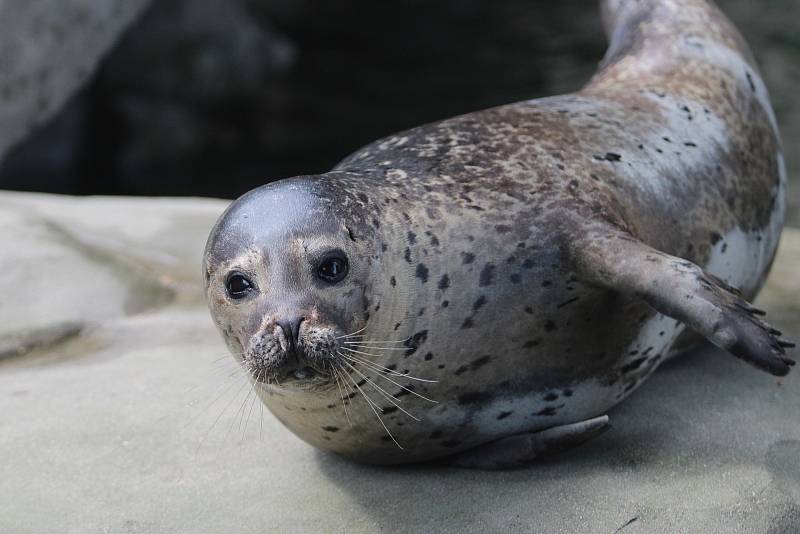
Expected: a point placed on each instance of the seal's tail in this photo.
(648, 35)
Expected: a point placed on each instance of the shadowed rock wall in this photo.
(210, 98)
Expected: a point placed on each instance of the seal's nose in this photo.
(291, 329)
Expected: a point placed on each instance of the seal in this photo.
(485, 288)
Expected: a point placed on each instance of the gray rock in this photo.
(121, 417)
(48, 49)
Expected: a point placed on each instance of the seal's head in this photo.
(286, 279)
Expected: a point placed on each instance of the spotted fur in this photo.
(472, 241)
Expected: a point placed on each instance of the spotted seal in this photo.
(486, 287)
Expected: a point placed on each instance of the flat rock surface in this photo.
(120, 413)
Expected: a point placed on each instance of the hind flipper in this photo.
(682, 290)
(522, 449)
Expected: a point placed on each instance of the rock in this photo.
(122, 411)
(48, 49)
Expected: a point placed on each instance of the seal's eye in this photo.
(333, 268)
(238, 286)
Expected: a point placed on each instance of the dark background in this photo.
(212, 98)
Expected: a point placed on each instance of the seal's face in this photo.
(284, 282)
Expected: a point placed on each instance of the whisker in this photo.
(220, 415)
(226, 386)
(252, 404)
(401, 386)
(241, 409)
(261, 409)
(353, 333)
(391, 398)
(387, 370)
(373, 347)
(372, 406)
(364, 353)
(375, 342)
(341, 394)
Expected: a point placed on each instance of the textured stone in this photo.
(48, 49)
(136, 422)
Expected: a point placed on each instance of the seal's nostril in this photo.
(291, 329)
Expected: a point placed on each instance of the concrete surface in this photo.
(118, 411)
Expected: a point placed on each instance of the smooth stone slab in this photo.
(136, 422)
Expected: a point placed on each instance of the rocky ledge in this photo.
(120, 412)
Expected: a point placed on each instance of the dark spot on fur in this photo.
(444, 282)
(480, 362)
(330, 428)
(414, 342)
(547, 283)
(407, 255)
(549, 325)
(475, 397)
(635, 364)
(527, 264)
(567, 392)
(611, 156)
(429, 357)
(750, 81)
(445, 303)
(724, 248)
(515, 278)
(461, 370)
(422, 272)
(468, 323)
(503, 415)
(393, 281)
(550, 410)
(715, 237)
(479, 303)
(467, 258)
(412, 237)
(487, 275)
(397, 325)
(529, 310)
(551, 396)
(689, 143)
(531, 343)
(392, 366)
(389, 409)
(567, 302)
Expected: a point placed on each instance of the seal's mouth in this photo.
(304, 360)
(301, 374)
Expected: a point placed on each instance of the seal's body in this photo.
(517, 269)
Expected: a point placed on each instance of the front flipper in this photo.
(682, 290)
(522, 449)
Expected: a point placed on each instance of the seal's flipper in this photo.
(682, 290)
(522, 449)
